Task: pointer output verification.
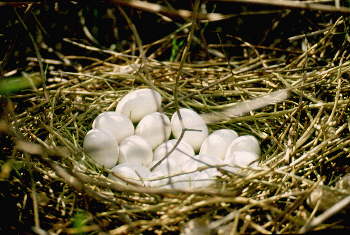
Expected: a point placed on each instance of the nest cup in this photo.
(113, 143)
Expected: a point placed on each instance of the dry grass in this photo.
(305, 144)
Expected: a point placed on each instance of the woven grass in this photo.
(304, 139)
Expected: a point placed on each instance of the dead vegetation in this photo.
(305, 141)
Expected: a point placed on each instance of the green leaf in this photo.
(16, 84)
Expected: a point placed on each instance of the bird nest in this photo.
(304, 140)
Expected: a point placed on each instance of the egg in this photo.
(168, 167)
(217, 143)
(173, 163)
(245, 143)
(155, 128)
(135, 149)
(137, 104)
(240, 159)
(181, 182)
(182, 151)
(230, 169)
(156, 179)
(115, 124)
(203, 161)
(201, 180)
(101, 147)
(190, 120)
(134, 173)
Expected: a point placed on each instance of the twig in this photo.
(19, 3)
(302, 36)
(136, 34)
(156, 8)
(327, 214)
(86, 30)
(37, 52)
(183, 58)
(171, 150)
(294, 4)
(92, 48)
(246, 106)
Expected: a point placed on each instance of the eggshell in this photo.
(245, 143)
(217, 143)
(134, 173)
(230, 169)
(202, 161)
(241, 159)
(155, 128)
(135, 149)
(173, 163)
(181, 182)
(181, 153)
(137, 104)
(115, 124)
(101, 147)
(190, 120)
(201, 180)
(157, 179)
(168, 167)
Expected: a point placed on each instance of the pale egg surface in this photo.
(241, 159)
(217, 143)
(114, 123)
(204, 161)
(175, 159)
(201, 180)
(167, 167)
(127, 172)
(137, 104)
(181, 182)
(181, 153)
(101, 147)
(189, 120)
(245, 143)
(135, 149)
(155, 128)
(156, 179)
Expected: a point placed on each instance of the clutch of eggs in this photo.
(134, 142)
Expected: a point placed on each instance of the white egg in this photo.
(173, 163)
(168, 167)
(135, 149)
(217, 143)
(182, 151)
(101, 147)
(240, 159)
(155, 128)
(245, 143)
(137, 104)
(230, 169)
(182, 148)
(201, 180)
(156, 179)
(203, 161)
(134, 173)
(190, 120)
(182, 182)
(116, 124)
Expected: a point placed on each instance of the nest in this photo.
(304, 139)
